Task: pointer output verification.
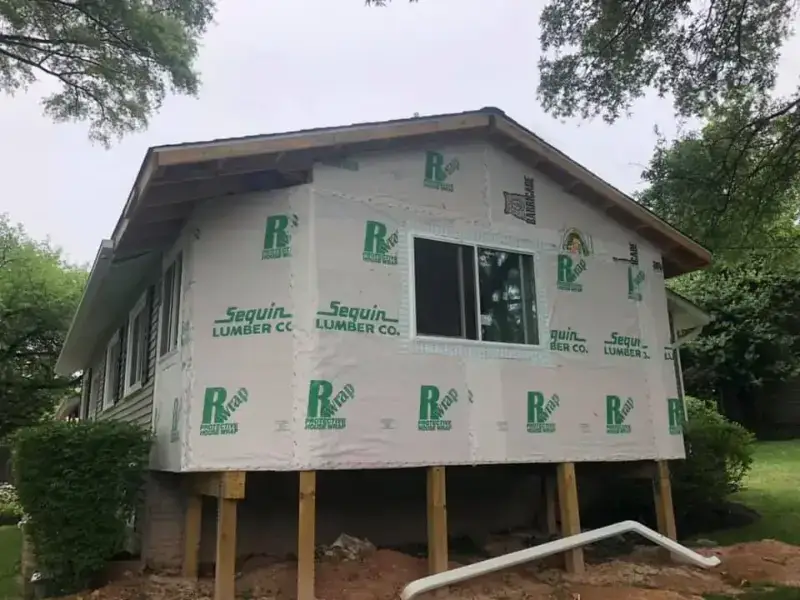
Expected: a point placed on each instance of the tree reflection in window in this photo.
(507, 297)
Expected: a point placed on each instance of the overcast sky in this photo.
(279, 65)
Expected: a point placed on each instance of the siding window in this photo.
(113, 359)
(474, 293)
(171, 306)
(136, 355)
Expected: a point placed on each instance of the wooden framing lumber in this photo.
(662, 494)
(306, 535)
(437, 520)
(570, 514)
(222, 484)
(225, 574)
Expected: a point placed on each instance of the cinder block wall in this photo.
(161, 521)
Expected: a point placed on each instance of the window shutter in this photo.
(123, 352)
(148, 333)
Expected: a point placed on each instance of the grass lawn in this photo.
(772, 490)
(10, 547)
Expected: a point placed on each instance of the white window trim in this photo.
(412, 312)
(108, 393)
(176, 293)
(138, 309)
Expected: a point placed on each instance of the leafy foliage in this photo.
(754, 339)
(38, 296)
(719, 454)
(77, 483)
(727, 185)
(600, 56)
(10, 508)
(112, 60)
(717, 61)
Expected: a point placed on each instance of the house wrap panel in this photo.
(304, 353)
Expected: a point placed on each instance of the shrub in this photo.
(77, 483)
(718, 457)
(719, 454)
(10, 509)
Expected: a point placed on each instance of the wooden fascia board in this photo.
(343, 136)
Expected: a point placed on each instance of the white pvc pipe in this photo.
(432, 582)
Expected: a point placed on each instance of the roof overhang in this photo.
(173, 178)
(111, 288)
(688, 319)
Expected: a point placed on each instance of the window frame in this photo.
(139, 309)
(169, 325)
(476, 245)
(108, 391)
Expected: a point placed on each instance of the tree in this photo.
(113, 60)
(712, 58)
(735, 193)
(38, 297)
(754, 339)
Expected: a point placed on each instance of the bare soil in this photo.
(644, 575)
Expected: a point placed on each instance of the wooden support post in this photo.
(225, 575)
(662, 493)
(191, 535)
(228, 487)
(437, 521)
(550, 504)
(306, 535)
(570, 513)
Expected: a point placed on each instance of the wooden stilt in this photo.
(437, 521)
(229, 487)
(306, 535)
(662, 494)
(570, 513)
(191, 535)
(551, 504)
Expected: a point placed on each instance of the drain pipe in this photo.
(432, 582)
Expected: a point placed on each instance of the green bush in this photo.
(77, 482)
(10, 509)
(719, 454)
(718, 457)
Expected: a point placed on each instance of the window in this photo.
(474, 293)
(136, 352)
(171, 306)
(113, 358)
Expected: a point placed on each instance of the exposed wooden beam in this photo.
(308, 140)
(438, 561)
(222, 484)
(306, 536)
(570, 513)
(662, 493)
(225, 572)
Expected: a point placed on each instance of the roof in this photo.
(173, 178)
(685, 313)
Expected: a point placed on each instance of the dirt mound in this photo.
(767, 561)
(383, 573)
